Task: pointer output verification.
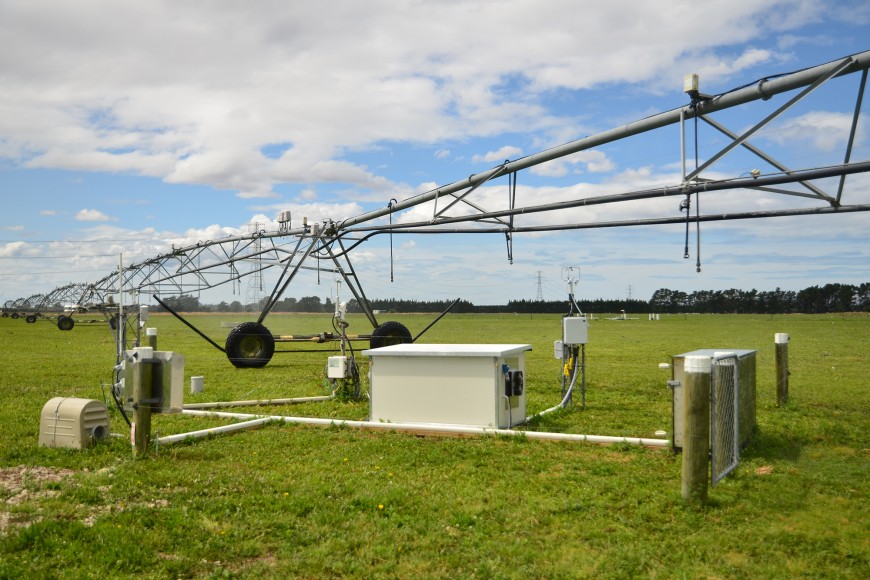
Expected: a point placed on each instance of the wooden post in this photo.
(142, 392)
(782, 372)
(696, 428)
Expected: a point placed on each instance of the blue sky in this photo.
(126, 127)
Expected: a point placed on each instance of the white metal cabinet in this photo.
(456, 384)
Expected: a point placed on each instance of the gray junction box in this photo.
(167, 379)
(575, 330)
(72, 422)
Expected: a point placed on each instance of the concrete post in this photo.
(782, 371)
(696, 428)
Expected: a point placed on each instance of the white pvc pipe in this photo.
(252, 403)
(214, 430)
(257, 420)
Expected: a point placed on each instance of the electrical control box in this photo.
(336, 367)
(481, 385)
(575, 330)
(167, 379)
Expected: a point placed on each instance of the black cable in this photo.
(117, 401)
(686, 205)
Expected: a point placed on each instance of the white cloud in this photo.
(595, 162)
(506, 152)
(280, 105)
(12, 228)
(177, 92)
(825, 130)
(13, 249)
(91, 215)
(308, 194)
(313, 212)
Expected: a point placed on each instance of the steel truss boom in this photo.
(655, 193)
(206, 264)
(213, 263)
(763, 89)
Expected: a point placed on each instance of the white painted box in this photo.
(454, 384)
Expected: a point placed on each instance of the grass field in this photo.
(300, 501)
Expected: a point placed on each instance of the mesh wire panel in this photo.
(724, 426)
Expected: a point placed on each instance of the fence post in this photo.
(151, 337)
(782, 371)
(696, 428)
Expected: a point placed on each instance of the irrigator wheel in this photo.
(390, 333)
(31, 319)
(250, 345)
(65, 322)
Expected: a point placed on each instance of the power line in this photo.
(79, 241)
(50, 272)
(57, 257)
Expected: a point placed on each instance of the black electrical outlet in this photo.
(516, 381)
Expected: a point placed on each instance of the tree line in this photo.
(812, 300)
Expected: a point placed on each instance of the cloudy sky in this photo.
(129, 126)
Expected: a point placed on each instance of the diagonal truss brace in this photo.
(436, 213)
(816, 192)
(852, 132)
(835, 71)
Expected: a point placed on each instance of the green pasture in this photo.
(299, 501)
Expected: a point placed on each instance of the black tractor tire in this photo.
(388, 334)
(31, 319)
(250, 345)
(65, 322)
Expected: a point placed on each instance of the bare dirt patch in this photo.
(20, 484)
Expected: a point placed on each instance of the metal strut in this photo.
(512, 202)
(852, 132)
(352, 281)
(390, 205)
(277, 294)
